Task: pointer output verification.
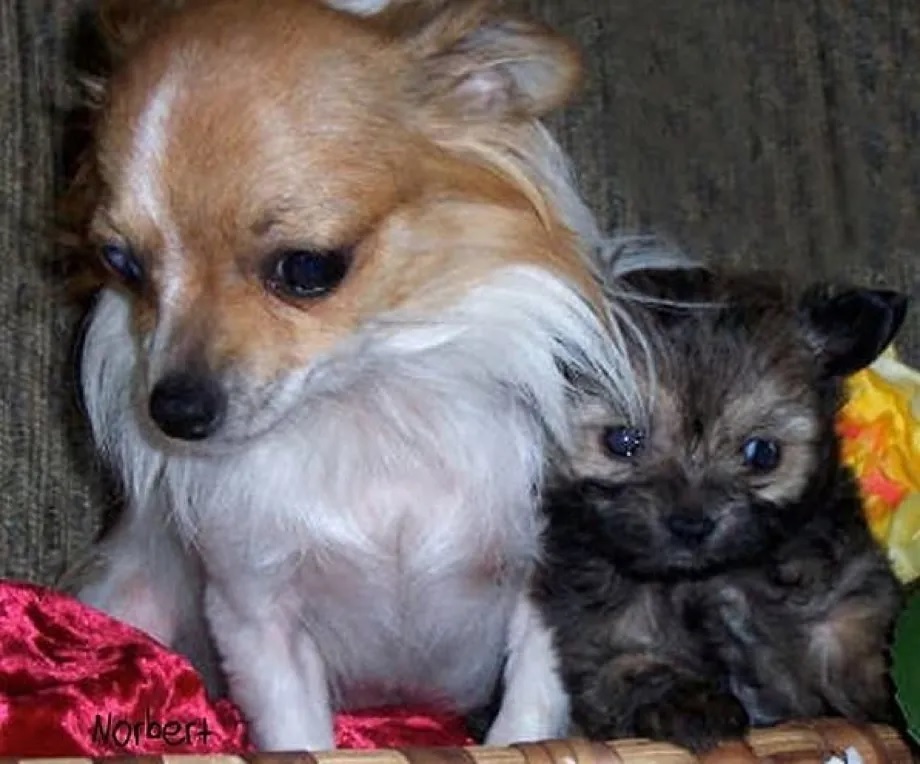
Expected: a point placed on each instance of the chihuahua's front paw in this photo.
(538, 724)
(693, 715)
(291, 729)
(295, 740)
(503, 733)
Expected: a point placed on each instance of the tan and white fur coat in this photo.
(361, 526)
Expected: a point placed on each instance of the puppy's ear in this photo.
(683, 285)
(851, 327)
(475, 66)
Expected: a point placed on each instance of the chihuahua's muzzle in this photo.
(187, 405)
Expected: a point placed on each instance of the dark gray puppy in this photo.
(708, 567)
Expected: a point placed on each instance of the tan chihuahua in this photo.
(345, 271)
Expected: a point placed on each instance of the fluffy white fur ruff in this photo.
(373, 546)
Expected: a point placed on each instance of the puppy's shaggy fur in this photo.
(708, 566)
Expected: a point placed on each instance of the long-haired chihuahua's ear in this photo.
(851, 327)
(473, 65)
(689, 284)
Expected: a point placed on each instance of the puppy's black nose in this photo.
(187, 406)
(690, 528)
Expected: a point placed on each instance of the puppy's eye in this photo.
(302, 273)
(761, 454)
(623, 441)
(119, 259)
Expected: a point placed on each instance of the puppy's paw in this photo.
(693, 715)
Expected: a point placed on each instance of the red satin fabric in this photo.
(399, 728)
(75, 682)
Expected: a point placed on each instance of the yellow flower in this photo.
(880, 430)
(904, 539)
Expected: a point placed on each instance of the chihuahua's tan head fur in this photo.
(272, 176)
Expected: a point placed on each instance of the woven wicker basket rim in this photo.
(801, 742)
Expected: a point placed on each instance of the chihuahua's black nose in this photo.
(187, 406)
(690, 528)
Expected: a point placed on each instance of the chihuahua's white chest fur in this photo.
(400, 558)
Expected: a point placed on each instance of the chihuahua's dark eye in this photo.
(302, 273)
(122, 261)
(761, 454)
(623, 441)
